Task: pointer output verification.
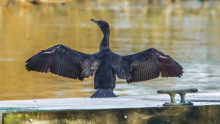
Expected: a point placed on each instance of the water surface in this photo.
(187, 31)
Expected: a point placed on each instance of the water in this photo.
(187, 31)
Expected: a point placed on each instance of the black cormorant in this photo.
(104, 64)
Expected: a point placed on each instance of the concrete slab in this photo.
(121, 110)
(126, 102)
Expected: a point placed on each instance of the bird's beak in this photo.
(95, 21)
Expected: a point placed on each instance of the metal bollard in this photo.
(173, 93)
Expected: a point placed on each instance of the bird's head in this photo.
(102, 25)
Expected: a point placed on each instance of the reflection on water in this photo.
(187, 31)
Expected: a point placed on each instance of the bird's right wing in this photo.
(146, 65)
(65, 62)
(150, 64)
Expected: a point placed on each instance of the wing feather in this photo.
(147, 65)
(63, 61)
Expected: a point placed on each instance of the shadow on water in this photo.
(187, 31)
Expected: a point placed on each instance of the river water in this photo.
(187, 31)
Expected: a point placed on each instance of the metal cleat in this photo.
(173, 93)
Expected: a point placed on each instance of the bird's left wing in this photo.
(65, 62)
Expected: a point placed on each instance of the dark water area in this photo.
(187, 31)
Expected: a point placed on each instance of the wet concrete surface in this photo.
(66, 104)
(121, 110)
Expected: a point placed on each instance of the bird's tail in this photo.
(103, 93)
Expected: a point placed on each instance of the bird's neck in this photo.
(105, 41)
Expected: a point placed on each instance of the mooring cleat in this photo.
(182, 94)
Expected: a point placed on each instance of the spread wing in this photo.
(146, 65)
(65, 62)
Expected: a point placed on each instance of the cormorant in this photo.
(104, 64)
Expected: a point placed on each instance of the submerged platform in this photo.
(127, 109)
